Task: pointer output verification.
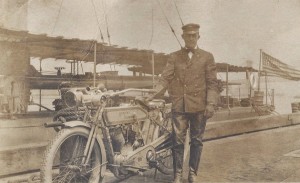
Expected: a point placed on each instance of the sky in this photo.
(233, 30)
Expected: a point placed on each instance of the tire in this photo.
(62, 158)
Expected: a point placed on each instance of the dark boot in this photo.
(180, 126)
(178, 177)
(177, 164)
(197, 128)
(192, 176)
(194, 162)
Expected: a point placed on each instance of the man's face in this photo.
(190, 40)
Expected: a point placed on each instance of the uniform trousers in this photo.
(180, 124)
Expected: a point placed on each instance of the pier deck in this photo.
(22, 146)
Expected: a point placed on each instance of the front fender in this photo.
(72, 124)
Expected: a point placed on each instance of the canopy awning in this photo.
(43, 46)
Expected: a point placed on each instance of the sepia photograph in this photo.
(154, 91)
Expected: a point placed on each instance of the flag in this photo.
(274, 67)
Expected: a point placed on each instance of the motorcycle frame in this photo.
(103, 138)
(98, 122)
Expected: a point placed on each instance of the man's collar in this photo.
(190, 49)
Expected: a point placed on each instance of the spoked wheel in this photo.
(164, 155)
(63, 160)
(165, 161)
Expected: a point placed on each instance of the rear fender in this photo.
(72, 124)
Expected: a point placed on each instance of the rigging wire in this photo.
(57, 16)
(169, 23)
(89, 50)
(178, 13)
(152, 27)
(97, 21)
(105, 16)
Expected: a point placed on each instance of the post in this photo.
(40, 97)
(95, 62)
(227, 97)
(250, 93)
(273, 97)
(266, 83)
(259, 70)
(71, 67)
(249, 84)
(74, 67)
(12, 94)
(153, 70)
(77, 64)
(239, 93)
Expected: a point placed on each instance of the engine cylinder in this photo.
(117, 138)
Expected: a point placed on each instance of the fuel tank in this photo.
(124, 115)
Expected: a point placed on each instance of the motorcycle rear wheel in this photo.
(164, 155)
(165, 162)
(63, 158)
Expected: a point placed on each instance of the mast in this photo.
(266, 82)
(95, 60)
(40, 96)
(153, 70)
(227, 96)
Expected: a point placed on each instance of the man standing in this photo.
(190, 78)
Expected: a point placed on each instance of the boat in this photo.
(235, 115)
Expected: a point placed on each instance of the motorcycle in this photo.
(102, 130)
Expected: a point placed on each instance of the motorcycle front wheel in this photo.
(63, 158)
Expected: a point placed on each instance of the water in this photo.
(286, 92)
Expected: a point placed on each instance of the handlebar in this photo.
(75, 97)
(133, 89)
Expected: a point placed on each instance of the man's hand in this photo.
(209, 111)
(144, 101)
(149, 98)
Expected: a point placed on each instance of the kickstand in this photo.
(155, 172)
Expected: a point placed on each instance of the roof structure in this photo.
(43, 46)
(221, 67)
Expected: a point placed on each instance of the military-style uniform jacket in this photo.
(191, 83)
